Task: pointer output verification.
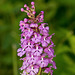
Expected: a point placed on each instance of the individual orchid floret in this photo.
(47, 70)
(29, 46)
(37, 51)
(28, 32)
(36, 38)
(25, 20)
(45, 41)
(42, 62)
(36, 44)
(21, 52)
(32, 70)
(34, 25)
(50, 52)
(33, 59)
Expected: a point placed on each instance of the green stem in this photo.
(15, 72)
(39, 73)
(49, 73)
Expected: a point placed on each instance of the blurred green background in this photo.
(59, 14)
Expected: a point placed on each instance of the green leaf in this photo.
(72, 43)
(62, 49)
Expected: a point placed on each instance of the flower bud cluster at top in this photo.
(36, 44)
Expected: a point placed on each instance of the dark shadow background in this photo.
(59, 14)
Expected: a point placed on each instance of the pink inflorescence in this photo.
(36, 44)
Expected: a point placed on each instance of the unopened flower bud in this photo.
(32, 3)
(25, 5)
(34, 12)
(22, 9)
